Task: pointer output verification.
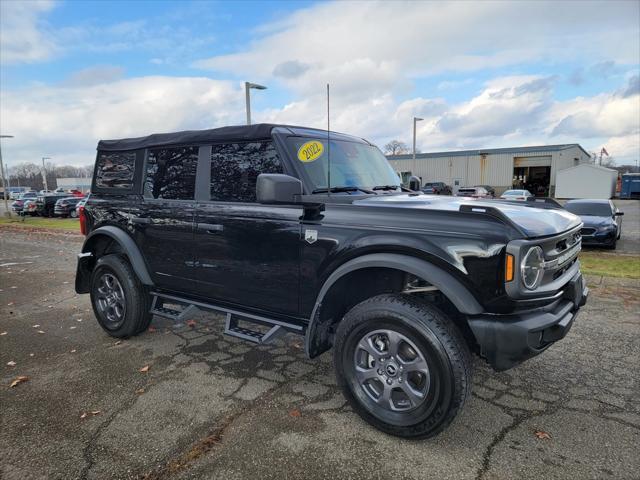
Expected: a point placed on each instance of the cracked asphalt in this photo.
(211, 406)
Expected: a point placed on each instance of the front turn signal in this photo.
(508, 268)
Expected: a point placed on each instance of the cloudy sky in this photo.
(481, 74)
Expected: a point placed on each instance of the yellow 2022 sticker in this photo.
(310, 151)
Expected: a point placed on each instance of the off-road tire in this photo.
(439, 341)
(136, 317)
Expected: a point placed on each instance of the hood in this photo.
(533, 221)
(594, 221)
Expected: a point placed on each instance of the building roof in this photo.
(236, 133)
(465, 153)
(589, 165)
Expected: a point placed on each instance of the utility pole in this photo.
(415, 120)
(247, 95)
(44, 172)
(7, 210)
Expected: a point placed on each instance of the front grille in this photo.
(587, 231)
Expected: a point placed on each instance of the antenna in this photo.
(328, 147)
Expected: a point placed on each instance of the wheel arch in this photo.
(109, 239)
(318, 334)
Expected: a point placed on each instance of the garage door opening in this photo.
(533, 174)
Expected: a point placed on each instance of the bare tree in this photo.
(396, 147)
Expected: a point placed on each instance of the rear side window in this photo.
(235, 168)
(171, 173)
(115, 170)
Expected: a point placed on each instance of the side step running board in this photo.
(277, 328)
(158, 308)
(232, 328)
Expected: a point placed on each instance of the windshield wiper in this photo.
(386, 187)
(341, 189)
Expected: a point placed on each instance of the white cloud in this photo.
(420, 38)
(65, 123)
(615, 114)
(23, 39)
(371, 53)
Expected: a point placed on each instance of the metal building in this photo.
(83, 184)
(534, 168)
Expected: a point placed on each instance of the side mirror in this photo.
(274, 188)
(414, 183)
(618, 214)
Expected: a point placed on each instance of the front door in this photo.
(164, 225)
(247, 253)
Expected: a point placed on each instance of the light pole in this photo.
(44, 172)
(248, 86)
(7, 211)
(415, 120)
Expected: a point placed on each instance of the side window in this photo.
(235, 168)
(115, 170)
(171, 173)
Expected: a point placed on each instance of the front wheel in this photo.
(119, 300)
(73, 214)
(402, 365)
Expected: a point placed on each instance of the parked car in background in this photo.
(18, 205)
(76, 193)
(516, 195)
(488, 188)
(29, 207)
(66, 207)
(45, 204)
(602, 221)
(475, 192)
(436, 188)
(44, 192)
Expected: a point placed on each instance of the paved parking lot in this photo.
(630, 239)
(210, 406)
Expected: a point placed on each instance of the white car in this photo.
(516, 195)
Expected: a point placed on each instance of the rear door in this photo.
(247, 253)
(164, 224)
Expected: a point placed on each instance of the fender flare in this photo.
(129, 247)
(451, 287)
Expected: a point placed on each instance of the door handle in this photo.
(140, 220)
(210, 227)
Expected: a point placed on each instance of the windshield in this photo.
(589, 209)
(352, 164)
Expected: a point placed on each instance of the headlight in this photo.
(531, 268)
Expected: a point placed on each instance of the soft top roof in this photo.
(236, 133)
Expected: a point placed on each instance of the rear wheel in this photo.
(402, 365)
(120, 302)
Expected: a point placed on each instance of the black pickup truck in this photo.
(292, 229)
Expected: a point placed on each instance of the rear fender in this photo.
(90, 253)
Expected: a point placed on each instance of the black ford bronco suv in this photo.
(291, 229)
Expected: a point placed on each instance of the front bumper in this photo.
(600, 238)
(507, 340)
